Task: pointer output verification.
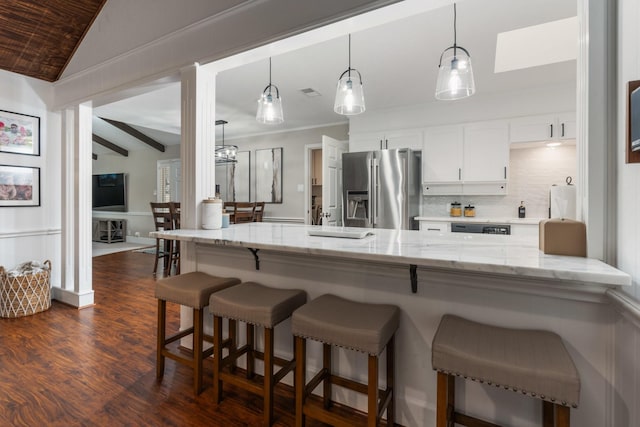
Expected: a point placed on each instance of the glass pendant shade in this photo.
(349, 94)
(270, 107)
(270, 104)
(455, 76)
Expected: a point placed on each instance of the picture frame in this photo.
(19, 133)
(633, 122)
(269, 175)
(19, 186)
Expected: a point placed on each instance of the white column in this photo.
(198, 106)
(76, 287)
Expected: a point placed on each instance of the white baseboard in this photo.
(73, 299)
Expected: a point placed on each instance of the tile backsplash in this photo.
(532, 172)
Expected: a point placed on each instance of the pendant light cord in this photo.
(269, 79)
(455, 35)
(349, 55)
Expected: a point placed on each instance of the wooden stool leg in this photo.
(251, 353)
(300, 378)
(372, 393)
(446, 400)
(197, 349)
(562, 415)
(233, 346)
(391, 415)
(162, 323)
(327, 367)
(268, 377)
(547, 414)
(217, 358)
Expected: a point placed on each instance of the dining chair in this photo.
(243, 212)
(259, 212)
(162, 220)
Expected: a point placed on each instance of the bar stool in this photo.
(532, 362)
(367, 328)
(256, 305)
(191, 290)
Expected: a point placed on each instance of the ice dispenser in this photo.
(358, 206)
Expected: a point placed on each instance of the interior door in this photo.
(332, 150)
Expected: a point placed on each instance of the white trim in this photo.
(29, 233)
(75, 299)
(626, 305)
(308, 153)
(298, 129)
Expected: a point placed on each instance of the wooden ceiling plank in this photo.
(136, 134)
(110, 145)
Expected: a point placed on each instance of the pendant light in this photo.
(455, 77)
(349, 93)
(270, 108)
(225, 154)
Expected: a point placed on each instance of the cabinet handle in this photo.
(386, 144)
(381, 146)
(459, 174)
(505, 172)
(433, 229)
(562, 133)
(551, 125)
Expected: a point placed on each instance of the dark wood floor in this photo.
(96, 366)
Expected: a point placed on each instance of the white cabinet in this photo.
(486, 152)
(466, 159)
(553, 127)
(435, 227)
(371, 141)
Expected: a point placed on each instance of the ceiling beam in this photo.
(136, 134)
(94, 156)
(110, 145)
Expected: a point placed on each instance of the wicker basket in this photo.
(25, 294)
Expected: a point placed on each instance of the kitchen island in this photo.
(494, 279)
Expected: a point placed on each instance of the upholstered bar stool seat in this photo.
(256, 305)
(191, 290)
(367, 328)
(531, 362)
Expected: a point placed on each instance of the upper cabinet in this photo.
(371, 141)
(466, 159)
(554, 127)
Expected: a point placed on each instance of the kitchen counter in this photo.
(505, 255)
(524, 221)
(500, 280)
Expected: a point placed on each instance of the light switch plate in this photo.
(300, 188)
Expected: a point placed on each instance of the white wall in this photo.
(627, 326)
(33, 233)
(532, 172)
(292, 143)
(140, 167)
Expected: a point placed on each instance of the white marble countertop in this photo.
(524, 221)
(460, 251)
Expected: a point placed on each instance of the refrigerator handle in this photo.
(376, 191)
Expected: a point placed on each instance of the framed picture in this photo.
(633, 122)
(19, 186)
(19, 133)
(269, 175)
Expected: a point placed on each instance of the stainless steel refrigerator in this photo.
(381, 189)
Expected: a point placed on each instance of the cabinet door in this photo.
(365, 142)
(404, 139)
(442, 154)
(435, 227)
(486, 152)
(534, 128)
(567, 126)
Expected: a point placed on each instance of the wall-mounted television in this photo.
(110, 192)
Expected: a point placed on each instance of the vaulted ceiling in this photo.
(38, 37)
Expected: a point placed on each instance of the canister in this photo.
(456, 209)
(469, 210)
(212, 214)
